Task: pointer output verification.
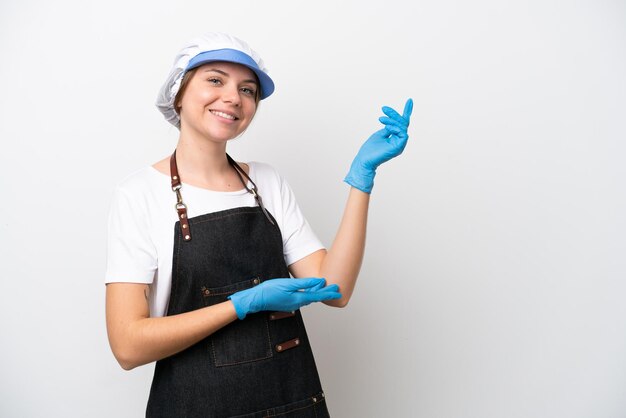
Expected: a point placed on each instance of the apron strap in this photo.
(181, 208)
(240, 171)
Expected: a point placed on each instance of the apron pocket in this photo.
(242, 341)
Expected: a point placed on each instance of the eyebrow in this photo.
(227, 75)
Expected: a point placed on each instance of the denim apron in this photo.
(261, 366)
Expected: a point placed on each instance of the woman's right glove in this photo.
(282, 295)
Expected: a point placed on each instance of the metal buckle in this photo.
(178, 196)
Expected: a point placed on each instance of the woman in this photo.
(221, 316)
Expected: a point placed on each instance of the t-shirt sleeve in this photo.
(131, 254)
(299, 239)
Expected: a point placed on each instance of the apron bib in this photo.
(261, 366)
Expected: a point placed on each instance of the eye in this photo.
(215, 81)
(248, 91)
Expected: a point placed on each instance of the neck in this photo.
(201, 161)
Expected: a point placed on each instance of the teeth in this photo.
(223, 115)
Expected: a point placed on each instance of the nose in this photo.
(231, 95)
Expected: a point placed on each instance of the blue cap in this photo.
(238, 57)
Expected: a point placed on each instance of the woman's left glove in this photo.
(282, 295)
(382, 146)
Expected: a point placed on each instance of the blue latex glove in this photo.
(382, 146)
(282, 295)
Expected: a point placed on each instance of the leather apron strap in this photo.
(181, 208)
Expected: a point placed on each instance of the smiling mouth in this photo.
(224, 115)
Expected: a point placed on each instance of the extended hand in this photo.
(382, 146)
(282, 295)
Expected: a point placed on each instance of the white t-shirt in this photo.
(142, 217)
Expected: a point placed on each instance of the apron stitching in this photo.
(271, 412)
(175, 279)
(269, 345)
(269, 341)
(241, 362)
(292, 410)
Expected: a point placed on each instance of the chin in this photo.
(222, 136)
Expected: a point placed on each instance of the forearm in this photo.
(342, 262)
(144, 340)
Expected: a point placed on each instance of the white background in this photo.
(494, 280)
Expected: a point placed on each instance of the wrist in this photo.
(241, 301)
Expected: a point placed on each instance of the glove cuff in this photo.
(241, 303)
(360, 178)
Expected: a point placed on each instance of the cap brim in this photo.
(238, 57)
